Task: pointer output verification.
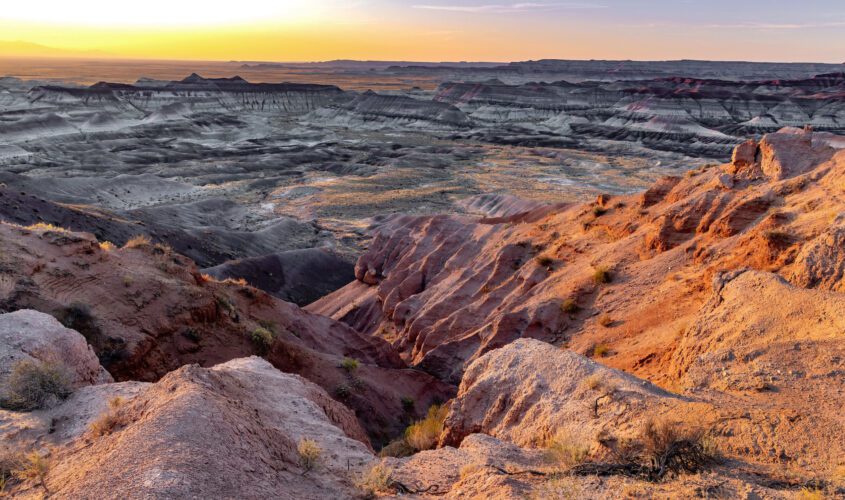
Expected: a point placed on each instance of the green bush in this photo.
(349, 364)
(34, 385)
(262, 339)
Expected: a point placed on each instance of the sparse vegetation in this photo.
(470, 469)
(602, 275)
(375, 479)
(33, 385)
(107, 246)
(43, 226)
(558, 487)
(342, 392)
(138, 241)
(398, 448)
(423, 435)
(127, 281)
(605, 320)
(598, 211)
(601, 350)
(544, 261)
(262, 339)
(32, 467)
(349, 364)
(566, 450)
(309, 454)
(672, 449)
(569, 306)
(594, 382)
(408, 403)
(811, 494)
(109, 420)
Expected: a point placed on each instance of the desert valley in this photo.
(548, 279)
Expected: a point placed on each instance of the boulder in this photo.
(34, 336)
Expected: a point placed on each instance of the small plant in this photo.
(408, 403)
(558, 487)
(33, 466)
(569, 306)
(138, 241)
(107, 246)
(342, 392)
(671, 449)
(110, 420)
(811, 494)
(398, 448)
(601, 350)
(127, 281)
(470, 469)
(309, 454)
(33, 385)
(566, 450)
(602, 275)
(423, 435)
(375, 479)
(262, 339)
(605, 320)
(594, 382)
(43, 226)
(599, 211)
(349, 364)
(544, 261)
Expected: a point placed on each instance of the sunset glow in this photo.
(304, 30)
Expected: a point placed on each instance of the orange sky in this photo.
(431, 30)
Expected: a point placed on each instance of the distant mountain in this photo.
(18, 48)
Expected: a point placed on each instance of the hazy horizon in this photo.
(429, 30)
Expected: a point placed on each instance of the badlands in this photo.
(493, 283)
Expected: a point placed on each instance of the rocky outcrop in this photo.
(529, 390)
(33, 336)
(147, 311)
(228, 431)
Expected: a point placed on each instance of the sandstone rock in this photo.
(785, 155)
(222, 432)
(31, 335)
(744, 156)
(821, 262)
(529, 390)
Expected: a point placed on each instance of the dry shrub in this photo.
(309, 454)
(107, 246)
(569, 306)
(566, 449)
(601, 350)
(111, 419)
(558, 487)
(43, 226)
(811, 494)
(32, 467)
(605, 320)
(424, 434)
(398, 448)
(349, 364)
(602, 275)
(33, 385)
(671, 448)
(138, 241)
(262, 339)
(376, 479)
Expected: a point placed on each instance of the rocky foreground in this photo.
(683, 342)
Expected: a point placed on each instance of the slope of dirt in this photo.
(225, 432)
(147, 311)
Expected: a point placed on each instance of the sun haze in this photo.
(306, 30)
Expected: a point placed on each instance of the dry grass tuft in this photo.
(107, 246)
(424, 434)
(601, 350)
(262, 339)
(309, 454)
(569, 306)
(376, 479)
(138, 241)
(349, 364)
(398, 448)
(605, 320)
(602, 275)
(567, 450)
(33, 385)
(43, 226)
(111, 419)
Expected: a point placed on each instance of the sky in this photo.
(429, 30)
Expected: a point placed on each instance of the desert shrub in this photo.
(423, 435)
(566, 449)
(594, 382)
(138, 241)
(107, 246)
(32, 467)
(309, 454)
(33, 385)
(811, 494)
(109, 420)
(343, 392)
(262, 339)
(544, 260)
(398, 448)
(408, 403)
(470, 469)
(602, 275)
(558, 487)
(599, 211)
(375, 479)
(605, 320)
(601, 350)
(43, 226)
(569, 306)
(9, 462)
(349, 364)
(669, 448)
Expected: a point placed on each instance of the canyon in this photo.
(499, 284)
